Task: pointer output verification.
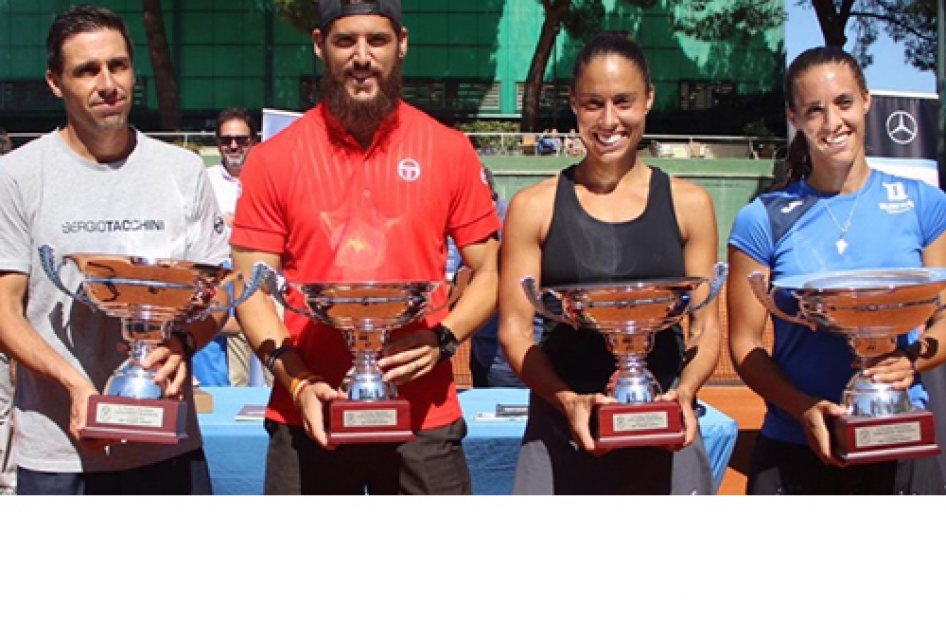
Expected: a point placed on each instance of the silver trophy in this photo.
(871, 308)
(366, 313)
(151, 296)
(628, 314)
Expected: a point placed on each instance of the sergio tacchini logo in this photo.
(901, 127)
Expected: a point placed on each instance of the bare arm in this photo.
(521, 255)
(700, 243)
(265, 332)
(24, 345)
(412, 355)
(754, 363)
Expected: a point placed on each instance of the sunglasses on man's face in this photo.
(241, 141)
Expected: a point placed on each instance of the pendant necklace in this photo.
(842, 243)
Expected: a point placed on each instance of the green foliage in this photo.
(301, 14)
(757, 129)
(712, 20)
(915, 28)
(491, 144)
(912, 22)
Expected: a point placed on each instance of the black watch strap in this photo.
(446, 341)
(188, 342)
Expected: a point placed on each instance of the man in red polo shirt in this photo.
(364, 187)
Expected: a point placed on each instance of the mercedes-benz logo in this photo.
(901, 127)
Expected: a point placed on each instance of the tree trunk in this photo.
(555, 12)
(833, 20)
(165, 82)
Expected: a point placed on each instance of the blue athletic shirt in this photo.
(792, 231)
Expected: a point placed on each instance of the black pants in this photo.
(783, 468)
(185, 474)
(433, 464)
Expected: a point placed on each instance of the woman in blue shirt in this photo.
(834, 213)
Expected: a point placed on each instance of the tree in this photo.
(301, 14)
(169, 100)
(912, 22)
(580, 19)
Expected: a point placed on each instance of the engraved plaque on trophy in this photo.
(150, 296)
(628, 314)
(871, 308)
(366, 313)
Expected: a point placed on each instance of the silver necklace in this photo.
(842, 243)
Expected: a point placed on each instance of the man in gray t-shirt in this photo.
(96, 185)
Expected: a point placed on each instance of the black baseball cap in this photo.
(331, 10)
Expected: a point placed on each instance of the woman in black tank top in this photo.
(611, 217)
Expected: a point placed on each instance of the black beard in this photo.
(362, 118)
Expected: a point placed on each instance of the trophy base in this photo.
(135, 420)
(860, 440)
(355, 422)
(638, 424)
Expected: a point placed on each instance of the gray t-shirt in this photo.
(156, 203)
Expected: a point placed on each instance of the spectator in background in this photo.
(6, 145)
(227, 360)
(549, 143)
(573, 145)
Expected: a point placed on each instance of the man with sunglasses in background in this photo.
(227, 360)
(235, 135)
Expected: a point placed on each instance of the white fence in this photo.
(517, 143)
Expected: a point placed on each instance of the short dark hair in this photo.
(236, 113)
(83, 18)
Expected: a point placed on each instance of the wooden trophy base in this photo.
(354, 422)
(860, 440)
(638, 424)
(135, 420)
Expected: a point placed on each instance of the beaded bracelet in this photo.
(275, 354)
(297, 380)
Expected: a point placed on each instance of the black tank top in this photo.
(580, 248)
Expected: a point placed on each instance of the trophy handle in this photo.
(535, 297)
(47, 258)
(257, 277)
(460, 281)
(720, 272)
(758, 285)
(277, 289)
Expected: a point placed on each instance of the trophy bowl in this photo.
(629, 314)
(365, 313)
(151, 297)
(870, 308)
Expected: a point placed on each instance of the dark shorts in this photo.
(550, 462)
(783, 468)
(433, 464)
(185, 474)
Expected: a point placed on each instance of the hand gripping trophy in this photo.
(366, 313)
(871, 308)
(629, 314)
(151, 296)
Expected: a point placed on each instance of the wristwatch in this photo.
(188, 342)
(447, 342)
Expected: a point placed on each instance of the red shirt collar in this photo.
(339, 135)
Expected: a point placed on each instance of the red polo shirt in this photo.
(335, 212)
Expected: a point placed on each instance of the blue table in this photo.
(236, 449)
